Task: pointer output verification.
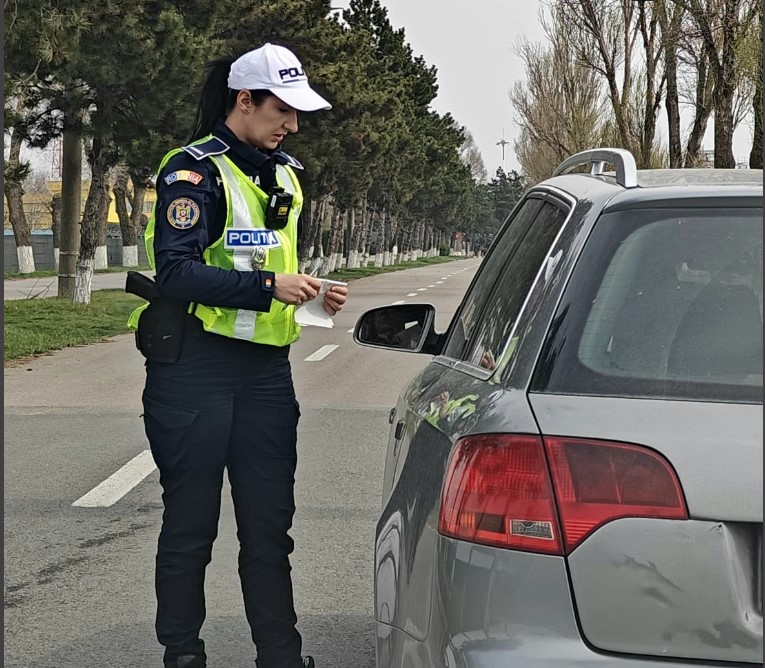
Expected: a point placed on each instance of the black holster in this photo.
(159, 336)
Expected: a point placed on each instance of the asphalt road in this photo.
(79, 580)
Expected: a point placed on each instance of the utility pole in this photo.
(503, 143)
(71, 198)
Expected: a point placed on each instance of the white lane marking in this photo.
(431, 286)
(439, 282)
(400, 301)
(421, 289)
(120, 483)
(412, 294)
(350, 331)
(444, 278)
(321, 353)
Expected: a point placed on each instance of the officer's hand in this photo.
(295, 289)
(334, 298)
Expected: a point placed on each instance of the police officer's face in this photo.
(267, 124)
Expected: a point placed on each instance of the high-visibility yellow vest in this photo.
(245, 220)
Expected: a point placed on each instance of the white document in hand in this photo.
(313, 314)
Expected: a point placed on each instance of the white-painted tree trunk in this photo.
(394, 257)
(353, 259)
(26, 259)
(56, 253)
(316, 262)
(101, 261)
(130, 256)
(378, 260)
(338, 261)
(386, 259)
(83, 283)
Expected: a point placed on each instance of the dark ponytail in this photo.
(216, 100)
(215, 97)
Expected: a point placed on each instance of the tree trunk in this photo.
(364, 238)
(673, 109)
(724, 158)
(653, 92)
(755, 157)
(91, 220)
(670, 28)
(14, 194)
(329, 263)
(307, 232)
(101, 259)
(354, 227)
(71, 188)
(55, 209)
(703, 110)
(128, 220)
(317, 254)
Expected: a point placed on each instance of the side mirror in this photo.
(404, 327)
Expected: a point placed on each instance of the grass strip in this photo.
(36, 326)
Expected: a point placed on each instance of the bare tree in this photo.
(129, 206)
(471, 156)
(670, 16)
(696, 87)
(559, 107)
(607, 32)
(722, 25)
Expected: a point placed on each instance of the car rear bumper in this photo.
(396, 649)
(496, 608)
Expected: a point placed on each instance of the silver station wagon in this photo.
(575, 479)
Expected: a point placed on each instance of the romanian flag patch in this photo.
(184, 175)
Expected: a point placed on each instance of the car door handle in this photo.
(397, 435)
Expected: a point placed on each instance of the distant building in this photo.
(37, 205)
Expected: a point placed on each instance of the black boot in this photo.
(187, 661)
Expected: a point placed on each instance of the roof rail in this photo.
(621, 159)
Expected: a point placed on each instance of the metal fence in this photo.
(42, 249)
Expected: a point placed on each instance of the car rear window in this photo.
(662, 303)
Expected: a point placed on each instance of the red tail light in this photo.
(599, 481)
(499, 491)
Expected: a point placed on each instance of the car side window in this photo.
(491, 341)
(492, 266)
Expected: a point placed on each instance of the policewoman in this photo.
(219, 394)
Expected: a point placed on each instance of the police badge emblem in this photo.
(258, 258)
(183, 213)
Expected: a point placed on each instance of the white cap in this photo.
(276, 69)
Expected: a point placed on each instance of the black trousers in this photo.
(231, 405)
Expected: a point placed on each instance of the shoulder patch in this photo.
(183, 213)
(212, 146)
(184, 175)
(286, 159)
